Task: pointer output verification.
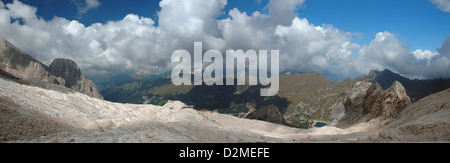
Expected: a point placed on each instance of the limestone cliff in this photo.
(62, 73)
(22, 66)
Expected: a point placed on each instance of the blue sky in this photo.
(346, 37)
(108, 9)
(417, 23)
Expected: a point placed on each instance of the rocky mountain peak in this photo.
(397, 89)
(67, 69)
(71, 73)
(62, 73)
(367, 101)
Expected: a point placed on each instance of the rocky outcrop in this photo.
(270, 114)
(416, 89)
(427, 120)
(61, 74)
(74, 79)
(395, 100)
(367, 101)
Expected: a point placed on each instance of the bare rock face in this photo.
(270, 114)
(354, 103)
(395, 100)
(61, 74)
(22, 66)
(67, 69)
(74, 79)
(367, 101)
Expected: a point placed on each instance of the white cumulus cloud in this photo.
(386, 51)
(135, 44)
(424, 54)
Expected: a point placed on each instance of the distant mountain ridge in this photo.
(415, 89)
(60, 75)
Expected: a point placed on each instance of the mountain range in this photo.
(33, 114)
(303, 99)
(57, 103)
